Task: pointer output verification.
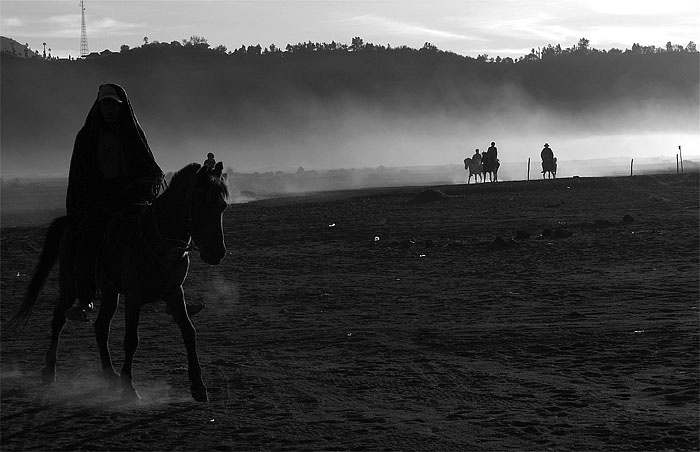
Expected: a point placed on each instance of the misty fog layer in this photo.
(353, 112)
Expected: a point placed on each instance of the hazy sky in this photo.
(467, 27)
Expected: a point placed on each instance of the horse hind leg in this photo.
(66, 296)
(48, 373)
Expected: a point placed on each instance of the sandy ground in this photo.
(393, 319)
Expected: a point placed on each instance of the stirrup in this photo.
(80, 313)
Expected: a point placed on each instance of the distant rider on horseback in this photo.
(547, 158)
(476, 158)
(492, 152)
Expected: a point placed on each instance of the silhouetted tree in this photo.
(583, 46)
(254, 50)
(196, 41)
(428, 47)
(357, 44)
(550, 51)
(532, 56)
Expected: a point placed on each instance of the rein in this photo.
(188, 245)
(179, 247)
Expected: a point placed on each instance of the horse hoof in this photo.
(130, 395)
(48, 375)
(200, 395)
(111, 377)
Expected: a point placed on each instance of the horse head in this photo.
(207, 202)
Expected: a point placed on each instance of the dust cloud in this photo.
(281, 128)
(222, 291)
(395, 130)
(356, 136)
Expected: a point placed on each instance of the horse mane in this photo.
(182, 178)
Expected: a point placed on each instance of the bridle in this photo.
(185, 245)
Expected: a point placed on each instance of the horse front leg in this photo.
(131, 344)
(176, 302)
(108, 307)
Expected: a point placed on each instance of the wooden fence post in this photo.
(528, 168)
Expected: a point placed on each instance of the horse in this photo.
(144, 256)
(474, 168)
(549, 166)
(491, 169)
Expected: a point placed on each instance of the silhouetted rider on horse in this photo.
(490, 161)
(547, 159)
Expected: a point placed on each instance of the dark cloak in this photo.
(90, 194)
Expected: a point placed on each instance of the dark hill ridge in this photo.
(186, 96)
(395, 79)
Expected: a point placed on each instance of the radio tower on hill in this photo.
(83, 33)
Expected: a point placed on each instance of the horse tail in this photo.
(49, 256)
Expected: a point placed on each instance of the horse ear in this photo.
(218, 169)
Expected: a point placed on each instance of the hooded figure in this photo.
(112, 166)
(547, 156)
(490, 157)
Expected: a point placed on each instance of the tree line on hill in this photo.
(268, 100)
(357, 44)
(402, 76)
(415, 78)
